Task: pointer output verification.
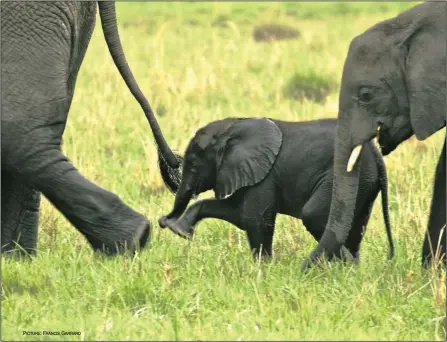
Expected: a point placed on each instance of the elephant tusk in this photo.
(231, 193)
(354, 156)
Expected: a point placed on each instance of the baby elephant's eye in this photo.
(365, 95)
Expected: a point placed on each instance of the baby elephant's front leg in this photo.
(210, 208)
(184, 226)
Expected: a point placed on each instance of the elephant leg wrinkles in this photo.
(32, 127)
(97, 213)
(20, 216)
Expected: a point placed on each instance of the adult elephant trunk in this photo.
(169, 163)
(344, 195)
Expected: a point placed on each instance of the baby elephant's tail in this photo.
(384, 190)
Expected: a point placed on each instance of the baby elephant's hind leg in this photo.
(260, 231)
(258, 219)
(315, 212)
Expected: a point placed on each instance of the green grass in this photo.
(198, 62)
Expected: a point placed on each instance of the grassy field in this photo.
(198, 62)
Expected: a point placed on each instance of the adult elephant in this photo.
(43, 46)
(394, 78)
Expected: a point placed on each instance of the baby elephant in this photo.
(259, 167)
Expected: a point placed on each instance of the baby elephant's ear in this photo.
(250, 150)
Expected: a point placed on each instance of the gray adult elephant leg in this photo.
(101, 216)
(20, 216)
(38, 72)
(434, 242)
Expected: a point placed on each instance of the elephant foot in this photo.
(180, 227)
(307, 265)
(263, 258)
(332, 249)
(138, 239)
(144, 235)
(163, 222)
(346, 255)
(19, 254)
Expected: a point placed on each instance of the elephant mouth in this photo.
(355, 153)
(387, 145)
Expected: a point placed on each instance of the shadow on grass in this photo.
(221, 21)
(147, 191)
(11, 287)
(148, 26)
(309, 86)
(272, 32)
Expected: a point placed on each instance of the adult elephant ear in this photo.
(249, 149)
(424, 44)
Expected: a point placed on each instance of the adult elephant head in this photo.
(393, 86)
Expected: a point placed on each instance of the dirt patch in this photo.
(421, 147)
(312, 87)
(271, 32)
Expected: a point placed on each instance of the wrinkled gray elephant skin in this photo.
(43, 46)
(260, 167)
(393, 86)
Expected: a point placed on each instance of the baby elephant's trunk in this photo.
(182, 199)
